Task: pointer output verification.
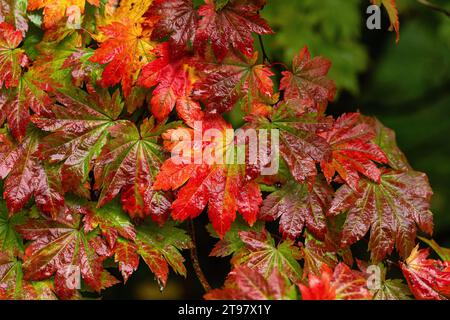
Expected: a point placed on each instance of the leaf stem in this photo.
(195, 262)
(434, 7)
(263, 49)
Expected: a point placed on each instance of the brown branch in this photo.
(434, 7)
(194, 257)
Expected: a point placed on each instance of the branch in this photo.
(195, 263)
(434, 7)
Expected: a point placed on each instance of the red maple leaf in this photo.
(352, 151)
(230, 26)
(340, 284)
(297, 206)
(235, 80)
(15, 104)
(391, 209)
(78, 131)
(26, 176)
(244, 283)
(224, 187)
(301, 146)
(14, 287)
(126, 48)
(308, 80)
(61, 248)
(428, 279)
(173, 80)
(12, 59)
(128, 165)
(262, 254)
(176, 19)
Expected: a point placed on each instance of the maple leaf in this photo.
(392, 11)
(125, 48)
(222, 184)
(244, 283)
(352, 151)
(16, 103)
(159, 247)
(443, 253)
(14, 12)
(61, 248)
(261, 253)
(118, 232)
(308, 80)
(125, 254)
(14, 287)
(78, 127)
(128, 164)
(236, 79)
(316, 253)
(173, 79)
(55, 10)
(428, 279)
(176, 19)
(340, 284)
(300, 145)
(12, 59)
(385, 138)
(384, 289)
(81, 69)
(297, 206)
(10, 240)
(230, 26)
(231, 243)
(391, 209)
(112, 222)
(26, 176)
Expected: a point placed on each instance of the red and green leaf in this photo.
(13, 285)
(27, 177)
(300, 144)
(262, 254)
(63, 250)
(230, 27)
(392, 11)
(78, 129)
(237, 79)
(308, 81)
(340, 284)
(12, 58)
(298, 207)
(428, 279)
(352, 151)
(160, 248)
(392, 210)
(128, 165)
(244, 283)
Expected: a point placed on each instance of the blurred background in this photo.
(407, 86)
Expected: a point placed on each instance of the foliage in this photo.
(87, 96)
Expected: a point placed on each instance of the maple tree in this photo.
(88, 111)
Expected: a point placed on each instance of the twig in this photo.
(195, 263)
(263, 49)
(434, 7)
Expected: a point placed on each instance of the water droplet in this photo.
(160, 284)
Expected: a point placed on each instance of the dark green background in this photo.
(406, 86)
